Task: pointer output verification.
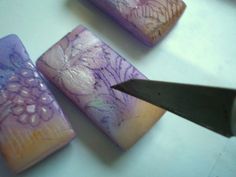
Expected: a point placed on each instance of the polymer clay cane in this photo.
(148, 20)
(85, 68)
(32, 125)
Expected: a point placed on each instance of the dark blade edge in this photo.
(132, 87)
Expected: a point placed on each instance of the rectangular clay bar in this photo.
(32, 125)
(85, 68)
(148, 20)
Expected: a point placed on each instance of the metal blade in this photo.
(211, 107)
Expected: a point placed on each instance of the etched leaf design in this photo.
(103, 110)
(78, 80)
(92, 58)
(56, 58)
(80, 44)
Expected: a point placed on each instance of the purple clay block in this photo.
(148, 20)
(85, 68)
(32, 125)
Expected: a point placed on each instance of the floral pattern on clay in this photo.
(148, 19)
(23, 95)
(85, 68)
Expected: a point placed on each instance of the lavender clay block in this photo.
(148, 20)
(85, 68)
(32, 125)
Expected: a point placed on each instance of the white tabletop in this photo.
(201, 49)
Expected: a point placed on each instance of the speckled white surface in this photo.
(200, 49)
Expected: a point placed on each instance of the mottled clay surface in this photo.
(149, 20)
(85, 68)
(31, 123)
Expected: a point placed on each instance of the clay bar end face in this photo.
(32, 125)
(148, 20)
(85, 68)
